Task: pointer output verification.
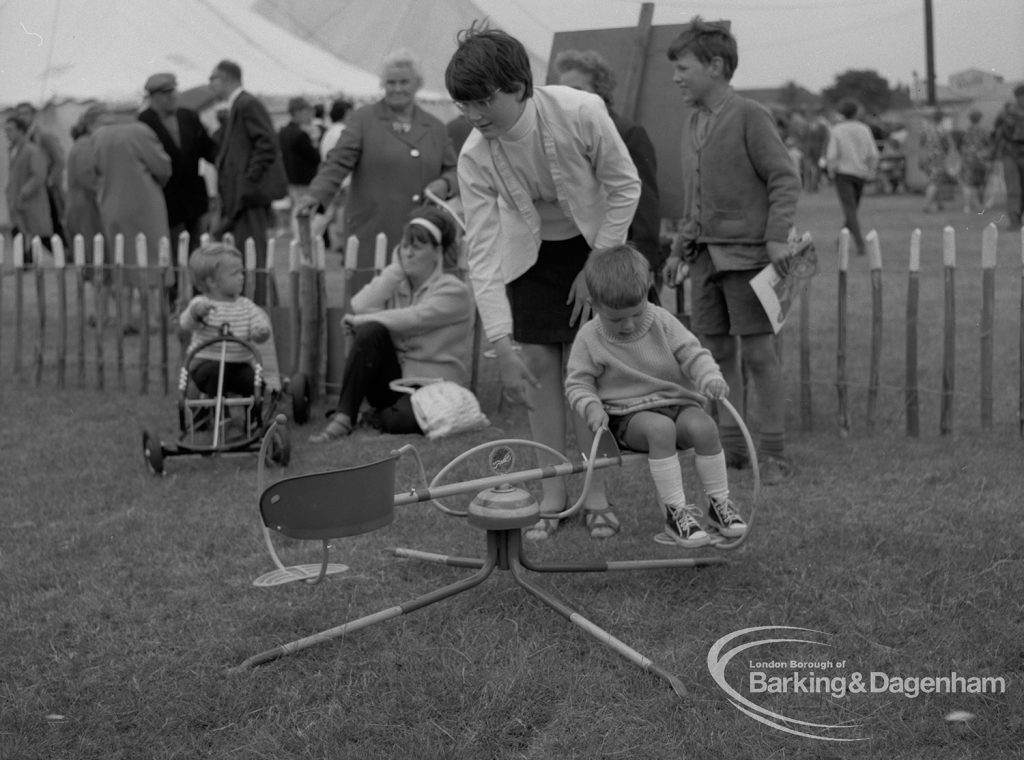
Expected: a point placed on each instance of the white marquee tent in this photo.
(56, 50)
(61, 54)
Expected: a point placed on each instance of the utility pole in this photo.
(929, 52)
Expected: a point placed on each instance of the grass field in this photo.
(125, 598)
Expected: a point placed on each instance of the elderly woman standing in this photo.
(394, 152)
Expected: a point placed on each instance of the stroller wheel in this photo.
(299, 388)
(280, 450)
(153, 453)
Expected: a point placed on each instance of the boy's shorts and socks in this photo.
(682, 521)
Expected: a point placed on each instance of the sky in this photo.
(808, 42)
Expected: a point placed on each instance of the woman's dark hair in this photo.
(487, 60)
(441, 219)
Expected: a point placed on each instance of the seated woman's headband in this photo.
(429, 226)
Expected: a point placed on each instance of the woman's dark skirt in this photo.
(538, 298)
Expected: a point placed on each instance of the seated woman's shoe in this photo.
(339, 427)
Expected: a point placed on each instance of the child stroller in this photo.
(228, 424)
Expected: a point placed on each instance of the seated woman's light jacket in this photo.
(431, 327)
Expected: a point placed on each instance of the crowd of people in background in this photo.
(967, 158)
(53, 194)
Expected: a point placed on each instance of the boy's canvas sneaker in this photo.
(682, 527)
(725, 520)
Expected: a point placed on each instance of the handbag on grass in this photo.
(442, 407)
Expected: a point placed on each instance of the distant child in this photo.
(218, 276)
(635, 369)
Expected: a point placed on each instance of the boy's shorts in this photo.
(722, 302)
(619, 424)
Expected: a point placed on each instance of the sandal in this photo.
(339, 427)
(542, 529)
(603, 524)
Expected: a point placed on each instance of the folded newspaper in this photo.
(778, 293)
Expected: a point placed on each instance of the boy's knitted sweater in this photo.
(657, 363)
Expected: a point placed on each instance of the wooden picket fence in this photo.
(70, 297)
(309, 338)
(912, 389)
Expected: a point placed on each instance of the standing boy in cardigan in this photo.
(637, 370)
(740, 190)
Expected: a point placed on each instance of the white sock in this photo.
(668, 480)
(712, 474)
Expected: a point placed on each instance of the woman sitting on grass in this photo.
(411, 320)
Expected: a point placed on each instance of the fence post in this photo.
(184, 293)
(60, 269)
(40, 345)
(875, 263)
(142, 278)
(841, 386)
(166, 277)
(320, 264)
(19, 300)
(273, 297)
(380, 253)
(949, 342)
(989, 241)
(78, 259)
(100, 297)
(118, 296)
(294, 296)
(913, 296)
(249, 255)
(310, 337)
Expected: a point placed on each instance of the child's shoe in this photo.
(725, 520)
(682, 527)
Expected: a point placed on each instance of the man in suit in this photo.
(185, 140)
(250, 173)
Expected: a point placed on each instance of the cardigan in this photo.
(640, 372)
(740, 186)
(595, 181)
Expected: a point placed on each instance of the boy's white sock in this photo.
(668, 480)
(712, 474)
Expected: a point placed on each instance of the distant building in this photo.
(967, 90)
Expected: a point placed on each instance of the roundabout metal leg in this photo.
(378, 617)
(591, 628)
(600, 565)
